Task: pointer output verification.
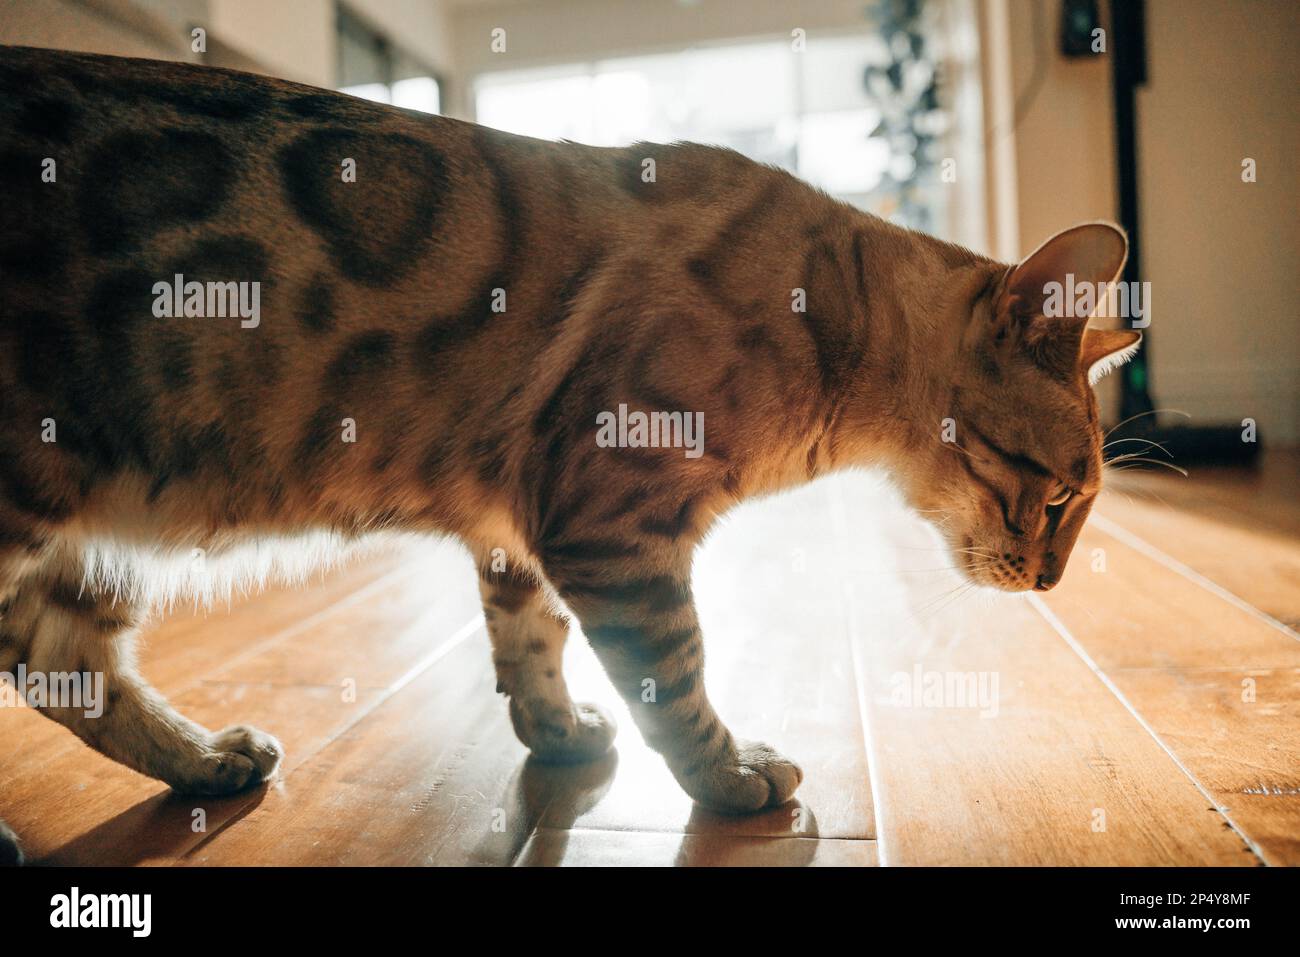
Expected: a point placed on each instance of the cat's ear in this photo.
(1106, 349)
(1037, 303)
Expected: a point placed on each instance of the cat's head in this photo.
(1019, 457)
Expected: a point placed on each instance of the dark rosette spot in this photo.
(378, 226)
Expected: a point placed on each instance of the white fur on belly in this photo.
(159, 554)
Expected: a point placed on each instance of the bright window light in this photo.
(549, 107)
(369, 91)
(417, 93)
(837, 153)
(752, 97)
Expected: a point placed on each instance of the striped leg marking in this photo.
(644, 629)
(527, 650)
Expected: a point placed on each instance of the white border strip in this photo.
(1079, 650)
(1115, 530)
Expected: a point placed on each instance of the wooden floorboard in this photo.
(432, 775)
(1046, 767)
(1146, 711)
(1215, 677)
(1258, 497)
(100, 797)
(1240, 534)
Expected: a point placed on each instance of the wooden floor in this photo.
(1147, 711)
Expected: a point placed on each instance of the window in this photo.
(861, 115)
(372, 68)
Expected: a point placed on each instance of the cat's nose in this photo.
(1045, 583)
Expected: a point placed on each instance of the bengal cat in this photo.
(436, 340)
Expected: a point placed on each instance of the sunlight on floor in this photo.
(781, 585)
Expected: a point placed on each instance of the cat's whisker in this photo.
(1133, 418)
(1128, 455)
(1129, 493)
(974, 550)
(1150, 443)
(922, 611)
(947, 593)
(988, 562)
(973, 567)
(919, 571)
(1137, 459)
(950, 598)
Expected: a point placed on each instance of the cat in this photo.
(444, 316)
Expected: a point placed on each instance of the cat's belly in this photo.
(160, 552)
(169, 549)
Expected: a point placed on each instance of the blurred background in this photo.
(992, 123)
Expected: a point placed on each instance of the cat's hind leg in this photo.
(528, 638)
(70, 636)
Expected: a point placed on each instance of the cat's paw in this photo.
(757, 777)
(239, 757)
(562, 734)
(11, 852)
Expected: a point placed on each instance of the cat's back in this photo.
(113, 160)
(349, 261)
(343, 252)
(111, 163)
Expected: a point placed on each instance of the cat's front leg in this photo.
(528, 637)
(638, 612)
(58, 628)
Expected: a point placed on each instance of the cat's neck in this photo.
(915, 302)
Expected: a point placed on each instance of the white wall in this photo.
(1064, 142)
(1223, 256)
(296, 38)
(293, 39)
(148, 28)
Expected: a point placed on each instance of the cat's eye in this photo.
(1061, 498)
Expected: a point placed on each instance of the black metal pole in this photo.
(1129, 65)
